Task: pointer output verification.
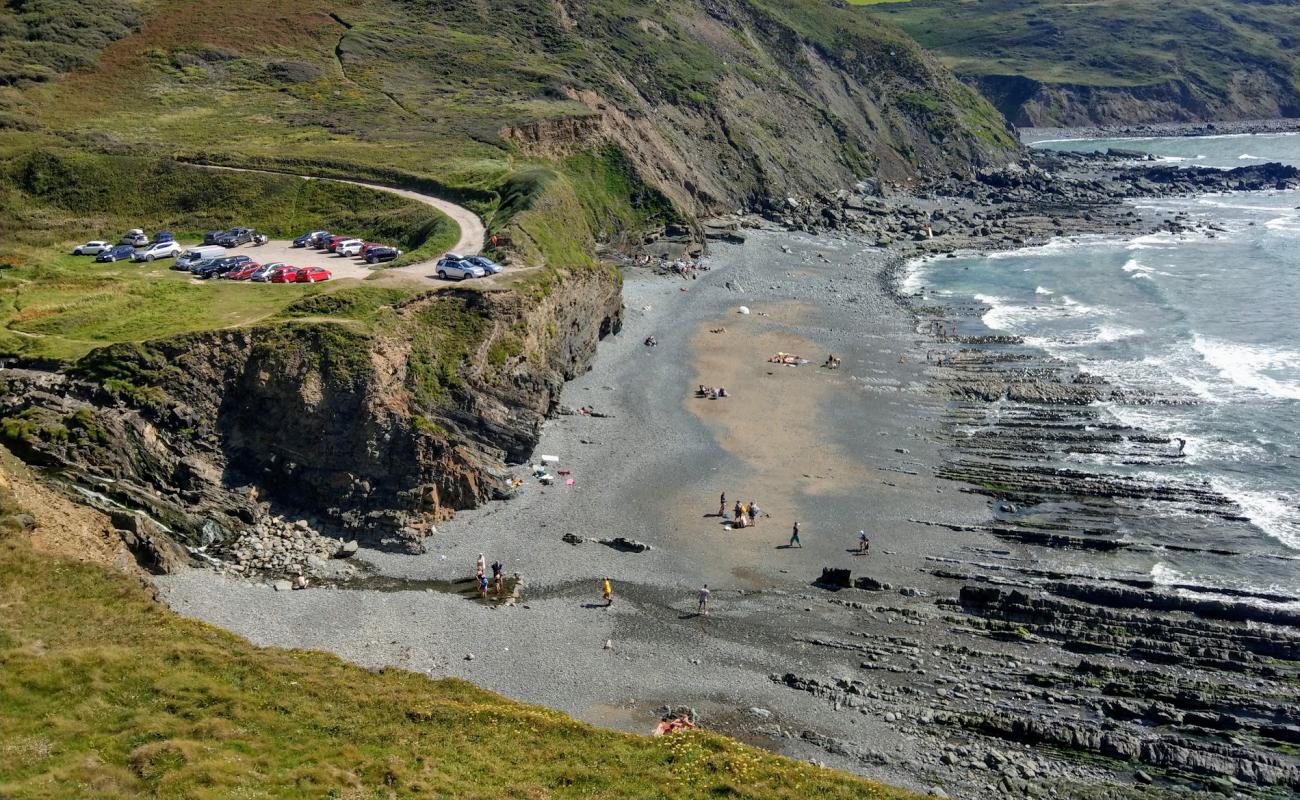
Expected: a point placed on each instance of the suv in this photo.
(308, 239)
(118, 252)
(454, 266)
(211, 236)
(135, 237)
(169, 249)
(349, 247)
(380, 253)
(235, 237)
(91, 248)
(164, 236)
(219, 266)
(330, 242)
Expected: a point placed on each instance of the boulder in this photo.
(835, 578)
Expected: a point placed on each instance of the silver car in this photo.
(453, 267)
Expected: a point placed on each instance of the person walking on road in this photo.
(703, 607)
(794, 537)
(608, 591)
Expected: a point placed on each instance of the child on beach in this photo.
(794, 537)
(608, 591)
(704, 601)
(482, 585)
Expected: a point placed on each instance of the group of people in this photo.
(498, 576)
(789, 359)
(711, 392)
(743, 515)
(832, 362)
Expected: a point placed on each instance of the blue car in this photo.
(486, 264)
(164, 236)
(121, 252)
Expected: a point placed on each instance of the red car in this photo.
(365, 248)
(312, 275)
(242, 273)
(333, 242)
(284, 274)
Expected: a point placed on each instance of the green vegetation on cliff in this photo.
(105, 693)
(1118, 61)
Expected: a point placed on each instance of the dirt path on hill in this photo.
(473, 233)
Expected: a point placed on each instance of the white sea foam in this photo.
(1042, 290)
(1248, 366)
(1248, 157)
(1274, 514)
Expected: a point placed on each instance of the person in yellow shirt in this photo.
(608, 591)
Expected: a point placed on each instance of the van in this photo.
(194, 255)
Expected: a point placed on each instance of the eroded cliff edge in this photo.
(377, 427)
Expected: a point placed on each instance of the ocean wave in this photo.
(1042, 290)
(1248, 366)
(1249, 157)
(1275, 515)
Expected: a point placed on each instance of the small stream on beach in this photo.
(1207, 316)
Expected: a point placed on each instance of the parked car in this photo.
(235, 237)
(195, 267)
(382, 253)
(263, 273)
(453, 266)
(309, 238)
(365, 248)
(331, 242)
(311, 275)
(92, 248)
(158, 250)
(220, 266)
(165, 236)
(118, 252)
(348, 247)
(243, 272)
(211, 236)
(284, 274)
(194, 255)
(135, 237)
(489, 266)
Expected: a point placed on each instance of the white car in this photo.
(158, 250)
(453, 266)
(135, 237)
(91, 248)
(349, 247)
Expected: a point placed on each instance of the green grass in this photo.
(1205, 45)
(104, 693)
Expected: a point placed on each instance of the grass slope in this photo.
(1210, 46)
(104, 693)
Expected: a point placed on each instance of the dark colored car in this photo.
(192, 268)
(235, 237)
(382, 253)
(164, 236)
(311, 275)
(308, 239)
(211, 236)
(119, 252)
(243, 272)
(331, 242)
(263, 273)
(220, 266)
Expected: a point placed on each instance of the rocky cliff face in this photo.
(1029, 103)
(216, 431)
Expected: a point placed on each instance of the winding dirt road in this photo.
(472, 236)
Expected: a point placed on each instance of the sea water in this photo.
(1223, 152)
(1214, 319)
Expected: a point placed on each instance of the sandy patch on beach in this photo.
(770, 423)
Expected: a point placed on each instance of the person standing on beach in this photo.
(608, 591)
(482, 585)
(703, 607)
(498, 575)
(794, 537)
(722, 505)
(480, 566)
(754, 511)
(864, 543)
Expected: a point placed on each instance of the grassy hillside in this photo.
(106, 694)
(1053, 61)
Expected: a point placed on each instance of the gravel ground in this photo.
(652, 472)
